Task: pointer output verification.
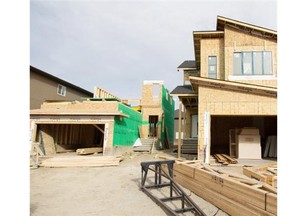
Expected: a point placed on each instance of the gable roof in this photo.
(65, 83)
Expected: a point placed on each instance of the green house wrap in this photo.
(126, 129)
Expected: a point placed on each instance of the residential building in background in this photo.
(44, 86)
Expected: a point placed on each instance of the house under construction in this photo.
(229, 92)
(105, 121)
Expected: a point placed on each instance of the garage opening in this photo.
(221, 125)
(60, 138)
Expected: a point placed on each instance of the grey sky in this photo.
(117, 44)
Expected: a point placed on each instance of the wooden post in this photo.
(207, 142)
(179, 128)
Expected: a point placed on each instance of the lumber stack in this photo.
(225, 159)
(267, 174)
(81, 161)
(232, 194)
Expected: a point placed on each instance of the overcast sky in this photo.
(117, 44)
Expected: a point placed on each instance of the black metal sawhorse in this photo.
(187, 205)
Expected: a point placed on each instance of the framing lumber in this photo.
(81, 161)
(266, 174)
(229, 192)
(225, 159)
(85, 151)
(102, 131)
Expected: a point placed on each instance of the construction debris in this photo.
(231, 193)
(266, 174)
(225, 159)
(80, 161)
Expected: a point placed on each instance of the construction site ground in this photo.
(111, 190)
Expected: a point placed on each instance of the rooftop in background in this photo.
(187, 65)
(36, 70)
(182, 90)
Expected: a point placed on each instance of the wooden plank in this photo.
(81, 161)
(229, 159)
(85, 151)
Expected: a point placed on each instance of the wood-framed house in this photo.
(233, 91)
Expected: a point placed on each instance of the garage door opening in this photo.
(220, 126)
(61, 138)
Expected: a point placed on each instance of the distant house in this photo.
(232, 103)
(44, 86)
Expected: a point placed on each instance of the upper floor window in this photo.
(212, 67)
(61, 90)
(252, 63)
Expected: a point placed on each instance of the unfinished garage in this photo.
(61, 138)
(250, 137)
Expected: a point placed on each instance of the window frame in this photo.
(253, 63)
(61, 90)
(209, 64)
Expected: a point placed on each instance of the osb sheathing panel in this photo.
(237, 41)
(98, 106)
(150, 100)
(146, 112)
(222, 102)
(212, 47)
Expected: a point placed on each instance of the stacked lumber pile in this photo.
(81, 161)
(267, 174)
(233, 194)
(225, 159)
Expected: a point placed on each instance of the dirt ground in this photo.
(100, 191)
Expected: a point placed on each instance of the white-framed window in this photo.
(212, 67)
(61, 90)
(252, 63)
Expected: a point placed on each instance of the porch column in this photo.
(179, 128)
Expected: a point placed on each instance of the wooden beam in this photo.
(95, 125)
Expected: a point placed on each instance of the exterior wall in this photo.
(126, 129)
(168, 107)
(188, 115)
(236, 41)
(43, 88)
(161, 105)
(96, 106)
(151, 105)
(222, 102)
(212, 47)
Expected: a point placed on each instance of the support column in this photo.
(179, 128)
